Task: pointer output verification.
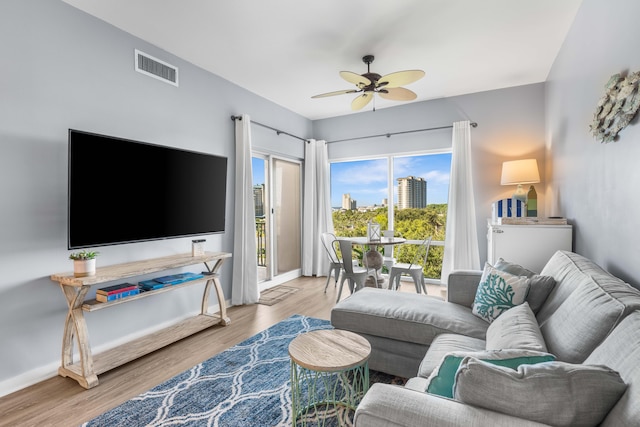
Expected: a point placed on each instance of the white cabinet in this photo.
(531, 246)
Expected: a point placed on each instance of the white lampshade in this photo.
(520, 172)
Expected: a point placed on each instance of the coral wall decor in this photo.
(617, 107)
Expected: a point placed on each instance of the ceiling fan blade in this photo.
(397, 94)
(337, 92)
(400, 78)
(359, 102)
(356, 79)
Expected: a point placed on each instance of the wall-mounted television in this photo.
(124, 191)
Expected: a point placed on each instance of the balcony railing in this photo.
(261, 243)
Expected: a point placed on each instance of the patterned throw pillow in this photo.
(539, 286)
(497, 292)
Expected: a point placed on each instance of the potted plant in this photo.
(84, 263)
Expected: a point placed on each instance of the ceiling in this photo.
(289, 50)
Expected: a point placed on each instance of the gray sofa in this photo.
(582, 315)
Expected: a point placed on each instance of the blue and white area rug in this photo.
(244, 386)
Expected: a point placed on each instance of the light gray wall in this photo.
(593, 184)
(64, 69)
(61, 69)
(510, 126)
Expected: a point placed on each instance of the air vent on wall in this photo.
(153, 67)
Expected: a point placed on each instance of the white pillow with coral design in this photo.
(497, 292)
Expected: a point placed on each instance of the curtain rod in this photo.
(473, 124)
(278, 131)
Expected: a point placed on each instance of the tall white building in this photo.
(258, 199)
(412, 192)
(348, 203)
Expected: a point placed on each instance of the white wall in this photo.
(510, 126)
(61, 69)
(593, 184)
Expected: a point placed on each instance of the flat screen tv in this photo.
(124, 191)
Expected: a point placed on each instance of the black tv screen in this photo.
(124, 191)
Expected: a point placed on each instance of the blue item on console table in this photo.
(116, 289)
(120, 295)
(175, 279)
(150, 285)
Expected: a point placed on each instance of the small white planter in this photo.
(84, 267)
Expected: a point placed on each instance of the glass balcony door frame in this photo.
(272, 277)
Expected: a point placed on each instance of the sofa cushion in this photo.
(513, 268)
(515, 328)
(497, 292)
(417, 384)
(399, 358)
(581, 322)
(571, 271)
(404, 316)
(621, 351)
(555, 393)
(444, 344)
(539, 286)
(441, 380)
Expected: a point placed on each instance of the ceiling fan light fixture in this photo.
(356, 79)
(387, 86)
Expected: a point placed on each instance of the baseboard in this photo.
(50, 370)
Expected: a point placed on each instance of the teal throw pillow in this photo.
(442, 379)
(497, 292)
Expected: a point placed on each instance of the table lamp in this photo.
(520, 172)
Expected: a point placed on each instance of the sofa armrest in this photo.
(462, 286)
(387, 405)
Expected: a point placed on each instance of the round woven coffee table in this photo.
(329, 369)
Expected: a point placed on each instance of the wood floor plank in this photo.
(63, 402)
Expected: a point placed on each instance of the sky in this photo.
(366, 180)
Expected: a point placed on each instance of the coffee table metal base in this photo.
(321, 394)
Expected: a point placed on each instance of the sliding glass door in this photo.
(277, 198)
(287, 216)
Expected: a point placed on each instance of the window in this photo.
(416, 186)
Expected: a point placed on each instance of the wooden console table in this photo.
(75, 289)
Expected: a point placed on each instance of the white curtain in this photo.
(461, 241)
(317, 217)
(244, 289)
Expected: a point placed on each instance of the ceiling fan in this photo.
(387, 86)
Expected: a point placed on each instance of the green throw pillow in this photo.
(442, 379)
(497, 292)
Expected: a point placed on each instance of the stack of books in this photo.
(174, 279)
(112, 293)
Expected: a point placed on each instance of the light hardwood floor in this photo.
(62, 402)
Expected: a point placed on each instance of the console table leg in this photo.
(75, 325)
(215, 280)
